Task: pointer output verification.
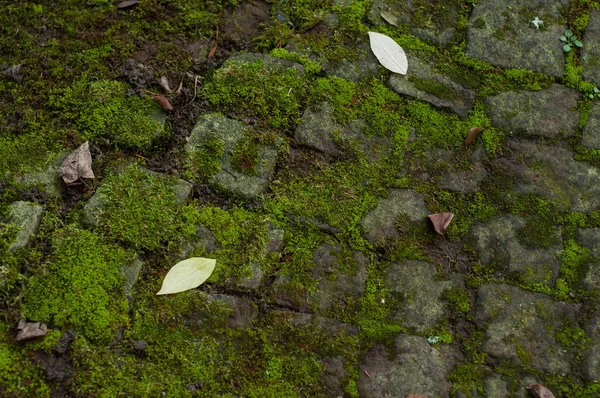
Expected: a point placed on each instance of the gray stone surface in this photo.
(420, 290)
(422, 82)
(551, 112)
(27, 216)
(414, 368)
(365, 65)
(380, 223)
(500, 32)
(552, 173)
(253, 279)
(520, 327)
(465, 181)
(230, 132)
(334, 373)
(317, 130)
(243, 310)
(591, 49)
(300, 319)
(432, 21)
(590, 136)
(591, 356)
(589, 238)
(131, 273)
(497, 243)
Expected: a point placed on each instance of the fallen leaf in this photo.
(14, 72)
(77, 165)
(472, 135)
(162, 101)
(30, 330)
(389, 18)
(212, 51)
(539, 391)
(389, 53)
(441, 221)
(126, 4)
(187, 274)
(164, 83)
(178, 91)
(416, 396)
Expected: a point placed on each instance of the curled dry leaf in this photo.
(441, 221)
(77, 165)
(125, 4)
(14, 72)
(472, 135)
(539, 391)
(164, 83)
(162, 101)
(389, 53)
(30, 330)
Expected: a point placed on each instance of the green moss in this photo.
(467, 378)
(205, 161)
(140, 209)
(275, 95)
(431, 87)
(459, 299)
(245, 156)
(574, 262)
(82, 287)
(102, 110)
(311, 66)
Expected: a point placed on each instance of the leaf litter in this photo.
(389, 53)
(187, 274)
(77, 165)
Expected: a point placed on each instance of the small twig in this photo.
(195, 90)
(367, 373)
(141, 157)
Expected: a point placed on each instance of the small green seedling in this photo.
(571, 41)
(594, 94)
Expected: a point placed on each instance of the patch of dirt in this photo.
(243, 24)
(449, 255)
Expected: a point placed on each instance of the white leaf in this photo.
(187, 274)
(389, 53)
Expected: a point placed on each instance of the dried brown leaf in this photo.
(126, 4)
(77, 165)
(14, 72)
(416, 396)
(163, 102)
(472, 135)
(213, 51)
(164, 83)
(30, 330)
(441, 221)
(539, 391)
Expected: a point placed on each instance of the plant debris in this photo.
(441, 221)
(187, 274)
(472, 135)
(539, 391)
(30, 330)
(164, 83)
(162, 101)
(126, 4)
(389, 53)
(14, 72)
(77, 165)
(389, 18)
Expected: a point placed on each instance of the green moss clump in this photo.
(275, 95)
(82, 288)
(245, 156)
(102, 110)
(140, 209)
(311, 66)
(205, 161)
(459, 299)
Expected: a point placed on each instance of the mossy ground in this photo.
(71, 277)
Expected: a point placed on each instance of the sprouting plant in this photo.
(594, 94)
(571, 41)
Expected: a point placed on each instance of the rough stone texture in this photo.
(590, 136)
(416, 368)
(243, 23)
(549, 113)
(353, 138)
(520, 326)
(131, 274)
(230, 132)
(317, 130)
(590, 239)
(423, 83)
(27, 216)
(333, 376)
(552, 173)
(591, 356)
(500, 32)
(243, 310)
(204, 238)
(48, 178)
(365, 65)
(465, 181)
(497, 242)
(253, 280)
(415, 282)
(437, 26)
(591, 49)
(335, 328)
(380, 223)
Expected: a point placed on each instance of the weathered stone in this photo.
(353, 138)
(415, 282)
(253, 279)
(335, 328)
(590, 136)
(131, 273)
(244, 22)
(365, 65)
(590, 239)
(497, 242)
(417, 368)
(465, 181)
(230, 132)
(243, 310)
(551, 112)
(30, 330)
(427, 20)
(552, 173)
(520, 327)
(591, 49)
(380, 223)
(333, 376)
(591, 356)
(501, 33)
(427, 85)
(317, 130)
(269, 62)
(27, 216)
